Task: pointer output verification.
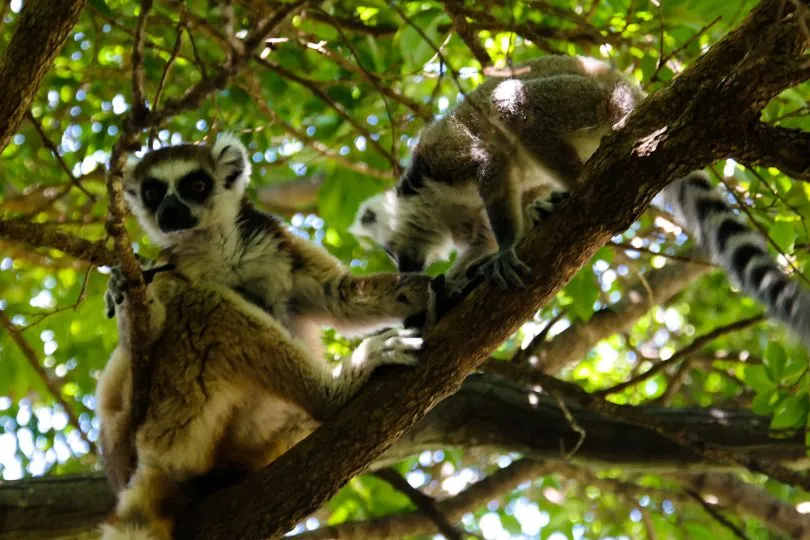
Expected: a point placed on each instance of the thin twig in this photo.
(138, 75)
(523, 355)
(455, 8)
(716, 515)
(424, 503)
(163, 76)
(252, 88)
(630, 247)
(54, 387)
(52, 147)
(575, 427)
(316, 89)
(696, 345)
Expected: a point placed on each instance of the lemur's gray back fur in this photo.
(741, 251)
(563, 96)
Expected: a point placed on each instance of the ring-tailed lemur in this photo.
(478, 185)
(230, 391)
(190, 200)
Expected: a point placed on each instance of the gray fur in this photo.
(479, 186)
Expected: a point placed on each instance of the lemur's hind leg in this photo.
(501, 193)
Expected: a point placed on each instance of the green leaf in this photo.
(583, 292)
(783, 233)
(102, 7)
(791, 412)
(757, 378)
(765, 402)
(795, 366)
(415, 49)
(775, 360)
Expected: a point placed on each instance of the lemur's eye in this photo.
(199, 186)
(152, 192)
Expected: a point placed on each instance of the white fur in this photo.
(126, 531)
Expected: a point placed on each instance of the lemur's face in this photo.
(179, 190)
(374, 219)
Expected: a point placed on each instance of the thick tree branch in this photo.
(671, 133)
(39, 235)
(41, 32)
(772, 146)
(753, 501)
(484, 414)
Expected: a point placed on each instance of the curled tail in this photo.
(741, 251)
(146, 508)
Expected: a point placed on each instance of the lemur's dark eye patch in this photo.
(152, 192)
(368, 217)
(195, 186)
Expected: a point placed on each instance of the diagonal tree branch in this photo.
(573, 343)
(773, 146)
(697, 344)
(671, 133)
(54, 387)
(484, 414)
(416, 523)
(424, 503)
(751, 500)
(40, 235)
(41, 32)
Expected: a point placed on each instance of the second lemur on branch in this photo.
(486, 173)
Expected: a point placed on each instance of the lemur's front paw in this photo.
(394, 347)
(116, 289)
(505, 269)
(542, 207)
(117, 285)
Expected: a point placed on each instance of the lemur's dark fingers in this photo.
(109, 305)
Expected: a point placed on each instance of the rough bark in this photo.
(752, 500)
(41, 32)
(417, 523)
(684, 126)
(38, 235)
(484, 413)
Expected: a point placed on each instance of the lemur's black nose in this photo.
(174, 215)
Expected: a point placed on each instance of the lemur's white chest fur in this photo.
(255, 265)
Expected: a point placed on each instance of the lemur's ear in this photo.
(231, 160)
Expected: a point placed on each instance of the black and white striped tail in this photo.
(741, 251)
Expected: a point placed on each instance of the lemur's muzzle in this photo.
(173, 215)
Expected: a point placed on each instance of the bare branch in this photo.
(40, 235)
(752, 500)
(693, 347)
(139, 108)
(425, 504)
(52, 147)
(455, 8)
(40, 33)
(417, 523)
(54, 386)
(574, 342)
(773, 146)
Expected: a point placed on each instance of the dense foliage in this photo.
(329, 109)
